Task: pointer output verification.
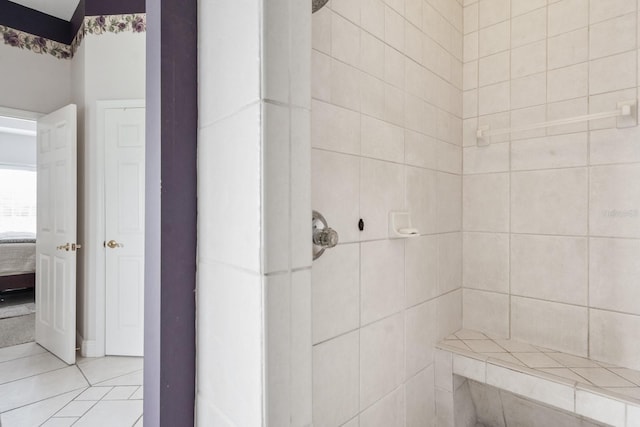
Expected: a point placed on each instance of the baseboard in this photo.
(88, 348)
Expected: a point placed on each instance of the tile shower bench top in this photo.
(597, 390)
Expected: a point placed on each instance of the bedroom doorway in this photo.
(36, 374)
(18, 182)
(56, 237)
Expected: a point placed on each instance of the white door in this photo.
(56, 235)
(124, 230)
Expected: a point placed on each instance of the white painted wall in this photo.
(77, 97)
(108, 66)
(33, 82)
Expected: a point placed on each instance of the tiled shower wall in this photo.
(386, 136)
(551, 217)
(254, 246)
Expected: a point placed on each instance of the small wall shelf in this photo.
(400, 226)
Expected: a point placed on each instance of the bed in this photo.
(17, 260)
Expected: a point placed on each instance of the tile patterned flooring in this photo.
(37, 389)
(622, 383)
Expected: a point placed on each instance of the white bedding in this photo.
(17, 254)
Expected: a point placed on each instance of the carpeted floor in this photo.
(17, 330)
(17, 317)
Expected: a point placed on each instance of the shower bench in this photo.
(586, 388)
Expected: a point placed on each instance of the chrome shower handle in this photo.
(327, 238)
(323, 236)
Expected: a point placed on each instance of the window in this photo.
(17, 200)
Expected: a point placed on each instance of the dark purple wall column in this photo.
(170, 258)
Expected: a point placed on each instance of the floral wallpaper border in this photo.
(136, 22)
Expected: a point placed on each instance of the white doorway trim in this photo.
(95, 227)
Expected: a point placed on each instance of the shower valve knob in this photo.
(326, 237)
(322, 236)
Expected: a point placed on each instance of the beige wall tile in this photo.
(449, 262)
(421, 187)
(613, 36)
(544, 331)
(335, 380)
(343, 136)
(388, 411)
(493, 39)
(381, 191)
(371, 54)
(381, 358)
(335, 279)
(490, 158)
(493, 11)
(449, 313)
(382, 279)
(420, 337)
(394, 29)
(549, 202)
(421, 266)
(613, 73)
(538, 389)
(470, 18)
(615, 146)
(388, 106)
(494, 98)
(550, 152)
(567, 15)
(550, 268)
(345, 85)
(615, 338)
(518, 7)
(529, 28)
(486, 261)
(420, 150)
(335, 182)
(568, 48)
(494, 69)
(449, 207)
(382, 140)
(372, 17)
(486, 202)
(568, 83)
(601, 10)
(529, 59)
(528, 91)
(614, 269)
(420, 399)
(600, 408)
(345, 40)
(614, 201)
(486, 312)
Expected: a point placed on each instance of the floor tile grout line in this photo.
(46, 398)
(83, 375)
(23, 357)
(35, 375)
(78, 416)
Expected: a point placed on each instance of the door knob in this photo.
(323, 236)
(69, 247)
(113, 244)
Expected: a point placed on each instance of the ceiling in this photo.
(62, 9)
